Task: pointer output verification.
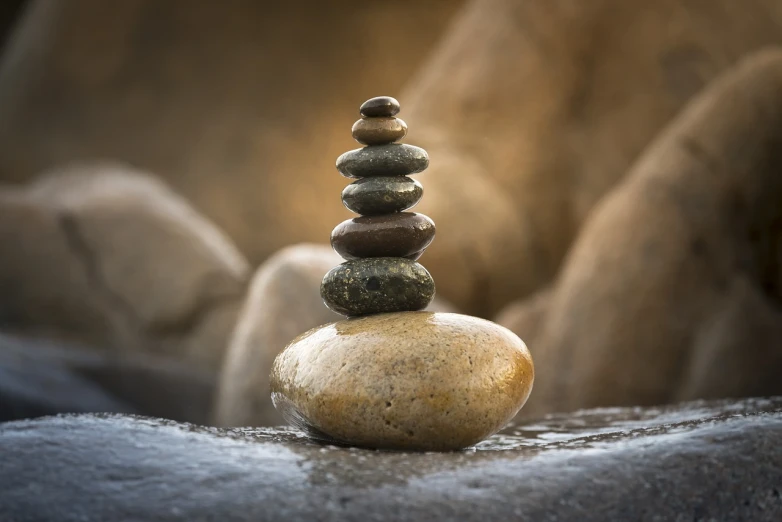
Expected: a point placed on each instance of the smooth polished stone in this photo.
(382, 195)
(394, 159)
(379, 131)
(413, 380)
(377, 285)
(380, 106)
(392, 235)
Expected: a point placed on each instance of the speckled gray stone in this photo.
(716, 461)
(394, 159)
(377, 285)
(382, 195)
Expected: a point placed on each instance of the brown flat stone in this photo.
(379, 131)
(394, 235)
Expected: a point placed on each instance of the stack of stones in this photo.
(382, 246)
(395, 377)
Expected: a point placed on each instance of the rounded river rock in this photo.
(378, 131)
(380, 106)
(382, 195)
(414, 380)
(393, 159)
(392, 235)
(377, 285)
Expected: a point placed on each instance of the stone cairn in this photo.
(381, 247)
(392, 376)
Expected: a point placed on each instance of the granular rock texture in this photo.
(414, 380)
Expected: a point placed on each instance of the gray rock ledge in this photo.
(695, 461)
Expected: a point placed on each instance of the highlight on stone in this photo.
(391, 376)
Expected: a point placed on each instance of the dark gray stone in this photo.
(394, 159)
(700, 461)
(380, 106)
(382, 195)
(377, 285)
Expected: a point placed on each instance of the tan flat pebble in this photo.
(408, 380)
(379, 131)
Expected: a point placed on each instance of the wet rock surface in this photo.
(377, 285)
(697, 461)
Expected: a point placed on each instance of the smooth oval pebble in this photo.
(391, 235)
(412, 380)
(378, 131)
(377, 285)
(380, 106)
(393, 159)
(382, 195)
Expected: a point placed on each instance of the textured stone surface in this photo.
(108, 256)
(379, 131)
(380, 106)
(382, 195)
(393, 235)
(395, 159)
(702, 461)
(288, 281)
(412, 380)
(672, 291)
(377, 285)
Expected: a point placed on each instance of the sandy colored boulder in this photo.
(407, 380)
(672, 289)
(283, 302)
(532, 110)
(112, 258)
(241, 106)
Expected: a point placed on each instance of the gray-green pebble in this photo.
(393, 159)
(377, 285)
(382, 195)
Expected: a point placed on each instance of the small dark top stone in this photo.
(392, 235)
(394, 159)
(377, 285)
(382, 195)
(380, 106)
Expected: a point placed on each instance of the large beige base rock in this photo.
(407, 380)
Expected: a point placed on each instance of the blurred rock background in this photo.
(603, 178)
